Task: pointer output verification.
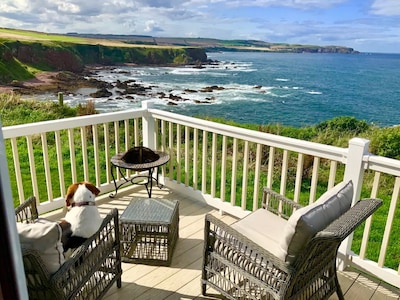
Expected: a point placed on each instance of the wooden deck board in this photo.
(181, 280)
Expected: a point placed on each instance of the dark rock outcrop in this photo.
(101, 93)
(212, 88)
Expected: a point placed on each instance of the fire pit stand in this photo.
(119, 162)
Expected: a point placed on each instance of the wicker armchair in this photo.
(88, 273)
(238, 268)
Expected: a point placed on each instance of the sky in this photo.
(365, 25)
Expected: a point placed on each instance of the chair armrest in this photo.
(27, 211)
(226, 248)
(91, 257)
(351, 219)
(278, 204)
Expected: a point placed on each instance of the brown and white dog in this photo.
(83, 214)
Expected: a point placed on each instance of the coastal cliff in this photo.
(21, 60)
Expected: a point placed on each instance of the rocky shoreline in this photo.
(128, 89)
(69, 82)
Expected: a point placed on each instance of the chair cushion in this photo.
(264, 228)
(44, 236)
(305, 222)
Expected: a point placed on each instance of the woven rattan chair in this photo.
(88, 273)
(239, 268)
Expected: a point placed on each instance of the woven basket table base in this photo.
(149, 231)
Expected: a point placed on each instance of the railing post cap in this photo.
(147, 104)
(359, 141)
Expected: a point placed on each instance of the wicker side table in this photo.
(149, 231)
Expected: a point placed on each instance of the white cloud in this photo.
(10, 6)
(68, 7)
(386, 7)
(152, 26)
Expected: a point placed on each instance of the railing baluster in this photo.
(155, 134)
(213, 164)
(171, 151)
(389, 223)
(117, 144)
(204, 163)
(314, 180)
(46, 163)
(60, 165)
(245, 174)
(223, 168)
(162, 137)
(96, 154)
(17, 169)
(368, 222)
(163, 144)
(126, 135)
(257, 169)
(234, 170)
(284, 172)
(332, 174)
(299, 177)
(127, 143)
(107, 155)
(187, 155)
(32, 166)
(195, 158)
(178, 154)
(116, 137)
(271, 159)
(84, 154)
(136, 131)
(72, 154)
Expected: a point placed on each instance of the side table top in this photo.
(150, 211)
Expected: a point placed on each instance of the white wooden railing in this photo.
(223, 165)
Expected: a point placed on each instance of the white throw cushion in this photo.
(305, 222)
(43, 236)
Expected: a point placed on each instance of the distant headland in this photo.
(210, 44)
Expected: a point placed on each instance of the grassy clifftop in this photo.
(24, 53)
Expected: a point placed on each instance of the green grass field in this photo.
(37, 36)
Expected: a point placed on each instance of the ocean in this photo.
(267, 88)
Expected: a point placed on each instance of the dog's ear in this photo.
(70, 194)
(91, 187)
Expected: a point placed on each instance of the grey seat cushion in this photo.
(263, 228)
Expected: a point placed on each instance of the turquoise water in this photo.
(291, 89)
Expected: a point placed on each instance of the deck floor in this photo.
(181, 280)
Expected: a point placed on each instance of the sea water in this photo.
(266, 88)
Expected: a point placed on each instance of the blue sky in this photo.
(365, 25)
